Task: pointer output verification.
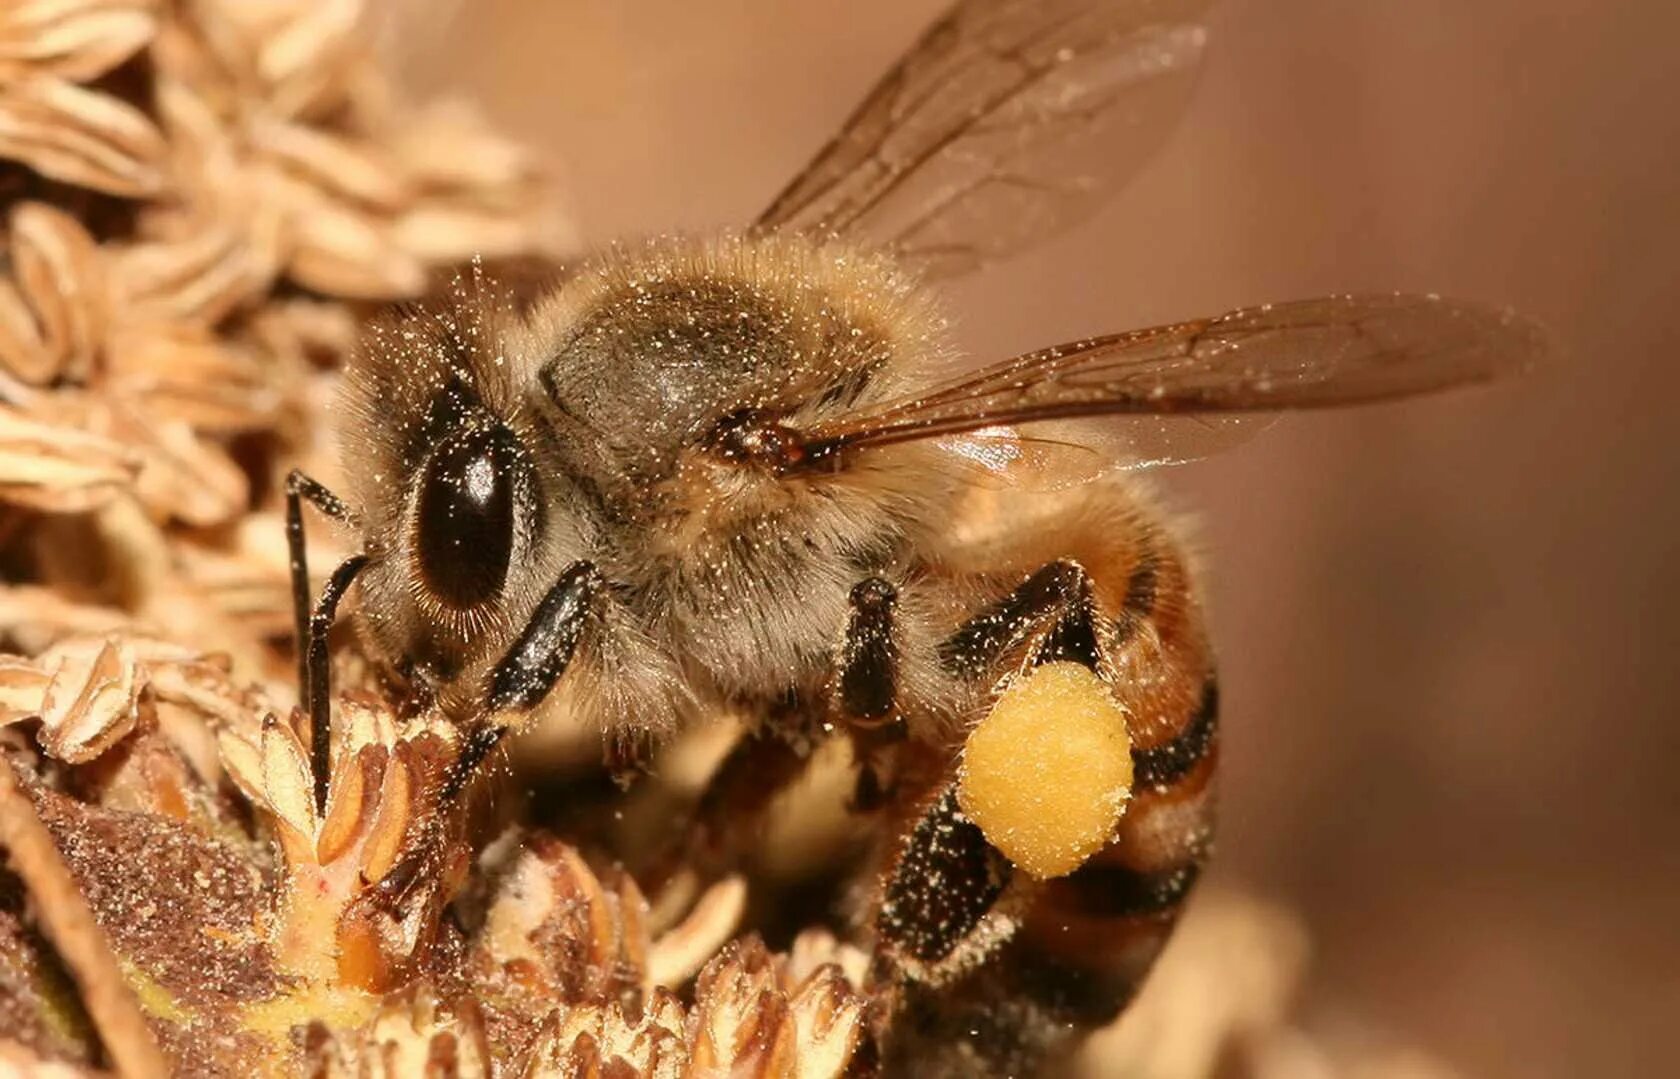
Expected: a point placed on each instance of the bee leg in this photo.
(317, 668)
(405, 873)
(523, 677)
(866, 679)
(996, 971)
(299, 488)
(313, 623)
(1054, 604)
(948, 877)
(518, 682)
(944, 883)
(865, 689)
(864, 695)
(760, 765)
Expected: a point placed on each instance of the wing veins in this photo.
(1304, 355)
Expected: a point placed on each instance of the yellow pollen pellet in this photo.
(1047, 773)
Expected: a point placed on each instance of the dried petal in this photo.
(554, 896)
(90, 701)
(200, 277)
(287, 785)
(23, 685)
(59, 469)
(306, 330)
(85, 689)
(194, 704)
(75, 39)
(443, 231)
(680, 953)
(36, 616)
(410, 1035)
(346, 802)
(205, 156)
(357, 172)
(182, 475)
(631, 908)
(17, 1059)
(191, 375)
(828, 1024)
(60, 272)
(600, 1041)
(391, 820)
(244, 765)
(447, 145)
(359, 724)
(737, 1021)
(339, 251)
(22, 352)
(304, 60)
(80, 136)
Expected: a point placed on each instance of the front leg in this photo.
(517, 683)
(539, 657)
(300, 488)
(524, 676)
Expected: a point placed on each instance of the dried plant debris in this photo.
(197, 201)
(252, 929)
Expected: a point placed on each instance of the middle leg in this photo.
(861, 696)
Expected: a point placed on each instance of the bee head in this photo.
(441, 459)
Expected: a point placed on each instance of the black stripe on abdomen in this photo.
(1107, 890)
(1165, 764)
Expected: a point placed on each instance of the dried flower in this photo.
(231, 951)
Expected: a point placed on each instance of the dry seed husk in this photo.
(59, 467)
(81, 136)
(72, 39)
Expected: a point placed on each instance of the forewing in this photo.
(1051, 455)
(1188, 380)
(1009, 121)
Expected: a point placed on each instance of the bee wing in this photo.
(1051, 455)
(1007, 122)
(1181, 387)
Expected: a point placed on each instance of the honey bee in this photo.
(747, 473)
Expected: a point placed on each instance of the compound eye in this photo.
(465, 518)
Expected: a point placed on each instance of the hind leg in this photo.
(994, 966)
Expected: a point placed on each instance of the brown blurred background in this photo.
(1449, 630)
